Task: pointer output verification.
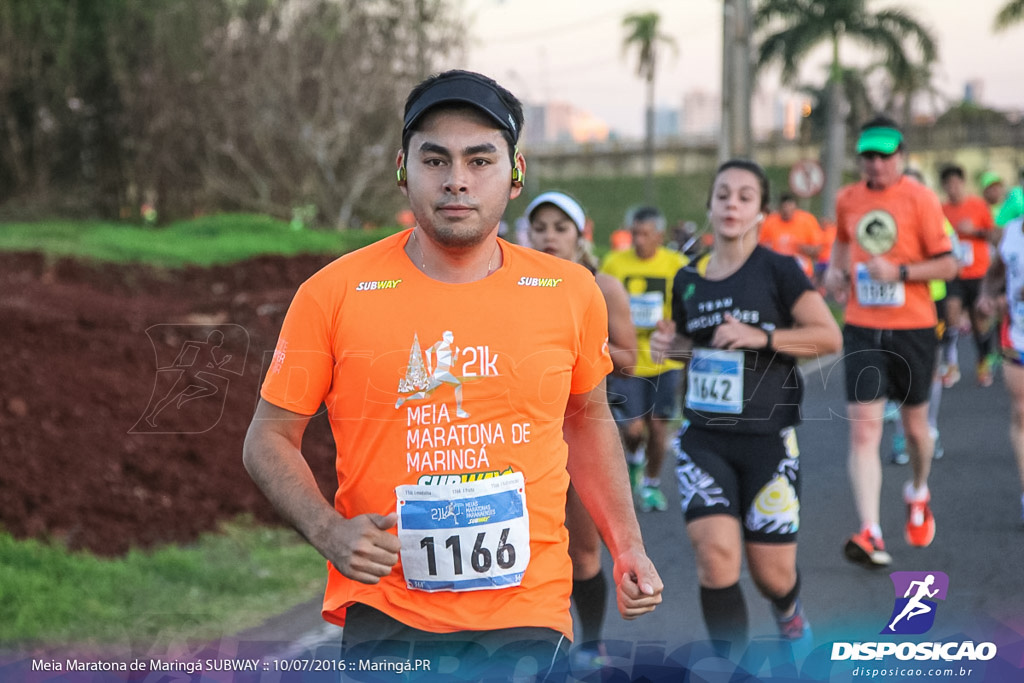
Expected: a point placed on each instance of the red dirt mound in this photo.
(126, 392)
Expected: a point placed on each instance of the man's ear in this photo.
(401, 175)
(518, 175)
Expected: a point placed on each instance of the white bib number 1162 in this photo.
(466, 536)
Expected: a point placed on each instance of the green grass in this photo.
(222, 584)
(226, 238)
(204, 241)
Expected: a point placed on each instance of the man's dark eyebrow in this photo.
(434, 148)
(485, 148)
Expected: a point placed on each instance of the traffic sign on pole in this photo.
(806, 178)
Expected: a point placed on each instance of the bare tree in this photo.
(263, 105)
(303, 103)
(158, 59)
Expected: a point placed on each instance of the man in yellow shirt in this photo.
(644, 402)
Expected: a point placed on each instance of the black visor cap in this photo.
(464, 90)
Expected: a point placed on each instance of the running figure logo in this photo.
(421, 379)
(914, 612)
(190, 390)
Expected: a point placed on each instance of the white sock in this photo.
(874, 529)
(636, 457)
(652, 483)
(913, 494)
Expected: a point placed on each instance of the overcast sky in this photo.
(572, 51)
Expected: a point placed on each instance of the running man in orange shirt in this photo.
(890, 242)
(972, 219)
(446, 537)
(791, 231)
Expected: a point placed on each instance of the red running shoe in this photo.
(920, 523)
(867, 550)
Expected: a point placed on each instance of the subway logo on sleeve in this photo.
(527, 281)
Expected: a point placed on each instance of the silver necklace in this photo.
(423, 256)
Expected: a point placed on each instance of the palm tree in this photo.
(1011, 13)
(792, 28)
(643, 32)
(906, 84)
(856, 92)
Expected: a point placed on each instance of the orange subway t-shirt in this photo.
(976, 211)
(902, 223)
(428, 383)
(786, 237)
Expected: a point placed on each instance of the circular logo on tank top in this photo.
(876, 232)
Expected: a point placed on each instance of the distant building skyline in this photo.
(557, 121)
(544, 50)
(697, 118)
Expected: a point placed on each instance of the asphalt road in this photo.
(979, 544)
(979, 541)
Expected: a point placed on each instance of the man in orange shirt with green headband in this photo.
(890, 242)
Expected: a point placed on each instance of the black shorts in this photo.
(752, 477)
(967, 291)
(632, 397)
(893, 364)
(379, 640)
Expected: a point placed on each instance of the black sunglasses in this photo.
(871, 156)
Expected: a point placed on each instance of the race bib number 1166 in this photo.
(465, 536)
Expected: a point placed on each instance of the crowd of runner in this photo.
(906, 271)
(536, 396)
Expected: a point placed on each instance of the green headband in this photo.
(883, 140)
